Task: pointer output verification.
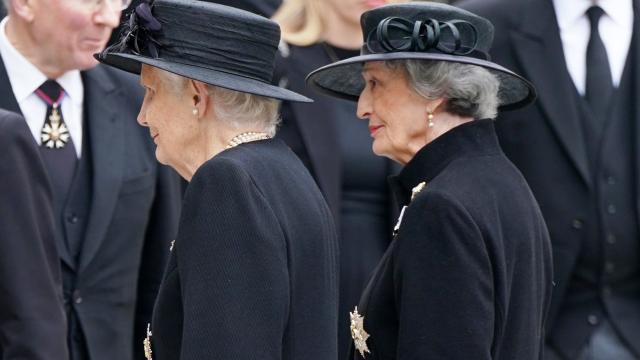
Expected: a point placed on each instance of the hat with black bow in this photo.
(421, 31)
(201, 40)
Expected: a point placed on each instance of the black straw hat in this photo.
(421, 31)
(200, 40)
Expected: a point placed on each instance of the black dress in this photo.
(253, 272)
(468, 275)
(336, 147)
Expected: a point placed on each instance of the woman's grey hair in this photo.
(239, 109)
(469, 90)
(7, 4)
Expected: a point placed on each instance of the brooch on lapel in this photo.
(147, 344)
(357, 332)
(171, 246)
(417, 189)
(414, 192)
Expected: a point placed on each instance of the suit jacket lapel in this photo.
(7, 99)
(107, 152)
(8, 102)
(538, 47)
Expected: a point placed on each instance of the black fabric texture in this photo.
(469, 273)
(253, 273)
(32, 321)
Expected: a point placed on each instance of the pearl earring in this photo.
(195, 111)
(430, 119)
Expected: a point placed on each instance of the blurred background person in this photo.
(32, 321)
(578, 149)
(115, 209)
(331, 141)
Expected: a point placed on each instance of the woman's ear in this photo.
(435, 106)
(200, 100)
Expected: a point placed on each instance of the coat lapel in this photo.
(107, 152)
(634, 57)
(8, 102)
(538, 47)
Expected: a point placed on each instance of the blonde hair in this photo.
(302, 21)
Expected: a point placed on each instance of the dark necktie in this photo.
(599, 86)
(57, 149)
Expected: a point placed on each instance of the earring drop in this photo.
(430, 119)
(195, 111)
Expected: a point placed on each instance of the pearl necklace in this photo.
(247, 137)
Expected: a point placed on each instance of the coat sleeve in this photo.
(32, 320)
(161, 230)
(444, 287)
(232, 261)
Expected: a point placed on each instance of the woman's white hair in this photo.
(239, 109)
(468, 90)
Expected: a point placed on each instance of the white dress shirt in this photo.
(25, 79)
(615, 27)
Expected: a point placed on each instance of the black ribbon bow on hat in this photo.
(140, 31)
(395, 34)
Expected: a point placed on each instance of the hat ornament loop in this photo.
(140, 31)
(395, 34)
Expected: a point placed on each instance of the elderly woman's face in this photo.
(167, 112)
(397, 115)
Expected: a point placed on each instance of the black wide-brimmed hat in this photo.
(421, 31)
(205, 41)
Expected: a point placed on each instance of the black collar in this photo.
(474, 138)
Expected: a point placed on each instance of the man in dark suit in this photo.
(115, 208)
(577, 148)
(32, 321)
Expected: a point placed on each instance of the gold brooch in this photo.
(147, 344)
(416, 189)
(357, 332)
(414, 192)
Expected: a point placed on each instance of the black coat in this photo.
(253, 273)
(133, 216)
(545, 140)
(468, 275)
(313, 133)
(32, 321)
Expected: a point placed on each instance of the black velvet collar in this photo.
(470, 139)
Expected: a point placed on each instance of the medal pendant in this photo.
(54, 134)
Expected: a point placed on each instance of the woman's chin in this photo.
(160, 157)
(378, 148)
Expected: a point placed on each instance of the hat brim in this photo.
(343, 79)
(133, 63)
